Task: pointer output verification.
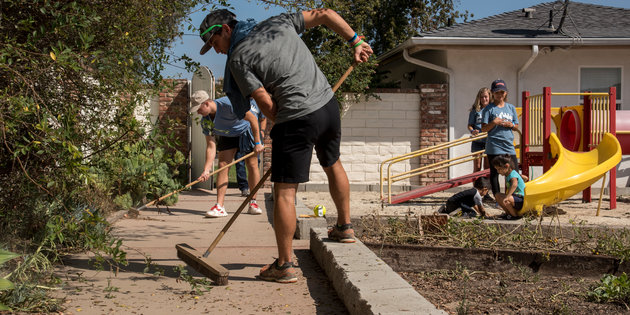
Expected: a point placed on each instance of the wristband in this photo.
(257, 143)
(358, 43)
(352, 39)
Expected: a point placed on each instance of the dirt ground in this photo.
(368, 202)
(464, 291)
(476, 292)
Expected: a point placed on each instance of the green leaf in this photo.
(6, 256)
(6, 284)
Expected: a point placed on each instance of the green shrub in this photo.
(5, 284)
(124, 201)
(139, 172)
(612, 289)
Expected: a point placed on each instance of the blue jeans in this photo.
(241, 172)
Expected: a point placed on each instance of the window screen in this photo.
(600, 79)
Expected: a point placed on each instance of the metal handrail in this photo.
(580, 94)
(432, 167)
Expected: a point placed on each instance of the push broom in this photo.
(201, 262)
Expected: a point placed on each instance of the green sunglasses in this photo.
(209, 29)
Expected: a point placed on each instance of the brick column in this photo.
(174, 110)
(433, 128)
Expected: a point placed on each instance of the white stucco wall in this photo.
(374, 131)
(559, 69)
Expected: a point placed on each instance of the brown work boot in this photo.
(342, 233)
(283, 274)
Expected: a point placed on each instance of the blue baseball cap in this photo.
(498, 85)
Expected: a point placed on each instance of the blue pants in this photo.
(241, 172)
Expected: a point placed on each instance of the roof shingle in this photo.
(582, 21)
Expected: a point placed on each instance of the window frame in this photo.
(619, 100)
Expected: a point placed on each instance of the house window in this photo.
(600, 79)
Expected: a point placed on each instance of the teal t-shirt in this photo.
(520, 187)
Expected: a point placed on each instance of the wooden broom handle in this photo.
(236, 214)
(343, 77)
(197, 181)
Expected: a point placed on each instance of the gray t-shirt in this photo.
(273, 56)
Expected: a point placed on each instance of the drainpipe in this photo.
(520, 72)
(451, 88)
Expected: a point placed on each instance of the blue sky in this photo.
(191, 44)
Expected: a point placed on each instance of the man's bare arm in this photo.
(334, 21)
(265, 103)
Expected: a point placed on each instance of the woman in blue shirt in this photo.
(499, 119)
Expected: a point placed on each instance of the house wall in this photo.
(376, 130)
(558, 68)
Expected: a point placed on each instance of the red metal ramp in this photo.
(427, 190)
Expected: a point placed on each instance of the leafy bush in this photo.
(140, 171)
(612, 289)
(5, 284)
(72, 76)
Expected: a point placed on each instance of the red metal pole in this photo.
(612, 102)
(546, 128)
(587, 137)
(525, 134)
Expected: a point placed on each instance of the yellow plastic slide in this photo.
(572, 173)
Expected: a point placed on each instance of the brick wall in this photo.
(433, 128)
(266, 157)
(373, 131)
(173, 110)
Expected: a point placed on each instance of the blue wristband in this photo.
(353, 38)
(257, 143)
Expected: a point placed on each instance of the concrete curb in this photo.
(304, 225)
(364, 282)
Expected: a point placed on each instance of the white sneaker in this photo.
(216, 212)
(254, 208)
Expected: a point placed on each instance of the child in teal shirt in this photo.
(512, 201)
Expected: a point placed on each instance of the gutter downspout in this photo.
(520, 72)
(451, 89)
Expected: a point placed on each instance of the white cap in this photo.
(197, 98)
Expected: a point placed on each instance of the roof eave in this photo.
(476, 41)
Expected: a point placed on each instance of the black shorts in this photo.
(518, 201)
(477, 146)
(293, 142)
(226, 143)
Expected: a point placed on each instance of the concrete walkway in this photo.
(245, 248)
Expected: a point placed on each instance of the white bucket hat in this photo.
(197, 98)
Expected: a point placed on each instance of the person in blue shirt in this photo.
(512, 201)
(231, 134)
(474, 126)
(499, 120)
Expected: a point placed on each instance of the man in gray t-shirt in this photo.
(270, 63)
